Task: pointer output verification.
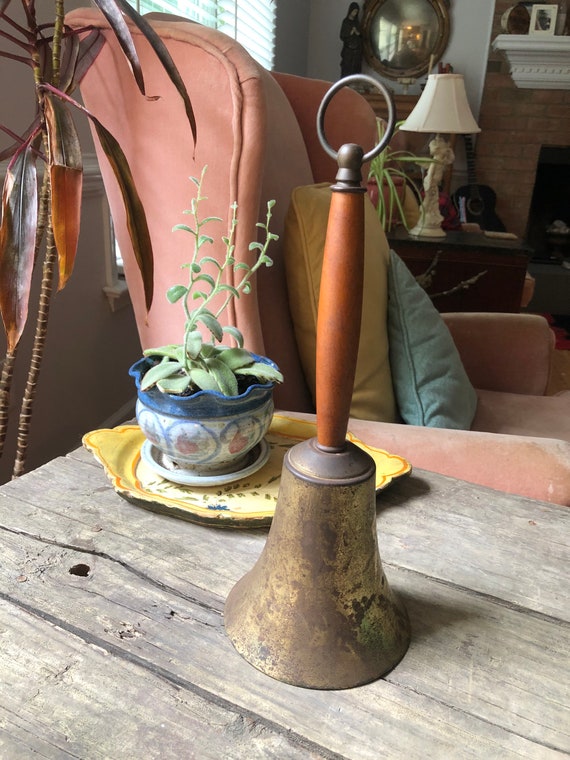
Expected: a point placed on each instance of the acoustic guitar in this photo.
(474, 202)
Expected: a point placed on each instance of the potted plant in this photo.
(40, 211)
(388, 180)
(202, 405)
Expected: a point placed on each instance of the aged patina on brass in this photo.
(316, 610)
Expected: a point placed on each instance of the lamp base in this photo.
(423, 230)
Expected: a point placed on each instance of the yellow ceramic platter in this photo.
(249, 502)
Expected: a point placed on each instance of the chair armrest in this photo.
(537, 468)
(504, 352)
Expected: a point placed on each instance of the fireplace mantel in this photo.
(537, 61)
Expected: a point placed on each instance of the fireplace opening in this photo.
(548, 230)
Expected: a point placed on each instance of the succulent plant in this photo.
(199, 363)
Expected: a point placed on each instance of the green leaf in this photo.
(208, 349)
(203, 380)
(210, 260)
(176, 292)
(159, 372)
(229, 288)
(264, 372)
(212, 324)
(173, 351)
(206, 278)
(235, 334)
(236, 358)
(204, 239)
(17, 243)
(225, 378)
(194, 342)
(177, 385)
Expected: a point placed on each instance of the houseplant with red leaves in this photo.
(40, 210)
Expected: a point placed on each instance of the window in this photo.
(250, 22)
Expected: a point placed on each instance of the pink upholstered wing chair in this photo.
(256, 133)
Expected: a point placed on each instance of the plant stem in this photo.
(56, 43)
(5, 390)
(193, 317)
(261, 260)
(37, 354)
(10, 358)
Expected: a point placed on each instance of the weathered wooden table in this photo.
(112, 642)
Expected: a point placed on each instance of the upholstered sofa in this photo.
(256, 133)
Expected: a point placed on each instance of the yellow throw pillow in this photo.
(411, 208)
(304, 240)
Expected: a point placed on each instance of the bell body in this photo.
(316, 610)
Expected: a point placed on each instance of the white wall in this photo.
(467, 50)
(469, 43)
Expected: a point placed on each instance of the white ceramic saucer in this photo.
(154, 458)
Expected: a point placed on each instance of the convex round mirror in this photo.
(401, 36)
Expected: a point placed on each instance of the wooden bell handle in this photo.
(340, 304)
(342, 278)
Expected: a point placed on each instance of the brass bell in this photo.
(316, 610)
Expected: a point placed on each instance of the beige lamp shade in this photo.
(442, 108)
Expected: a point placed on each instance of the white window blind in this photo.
(250, 22)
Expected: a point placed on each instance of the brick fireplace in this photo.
(515, 124)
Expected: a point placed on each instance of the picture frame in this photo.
(543, 19)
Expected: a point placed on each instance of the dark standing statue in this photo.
(351, 54)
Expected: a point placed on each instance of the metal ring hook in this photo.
(329, 96)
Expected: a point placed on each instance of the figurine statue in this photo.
(429, 223)
(441, 151)
(351, 54)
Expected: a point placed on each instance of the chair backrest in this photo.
(256, 134)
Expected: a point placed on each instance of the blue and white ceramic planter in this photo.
(206, 433)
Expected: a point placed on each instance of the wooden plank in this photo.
(65, 697)
(481, 679)
(428, 523)
(505, 546)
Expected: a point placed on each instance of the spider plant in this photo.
(385, 168)
(41, 209)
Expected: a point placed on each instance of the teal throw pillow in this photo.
(431, 386)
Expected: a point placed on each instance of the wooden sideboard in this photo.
(462, 256)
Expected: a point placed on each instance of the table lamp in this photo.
(442, 109)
